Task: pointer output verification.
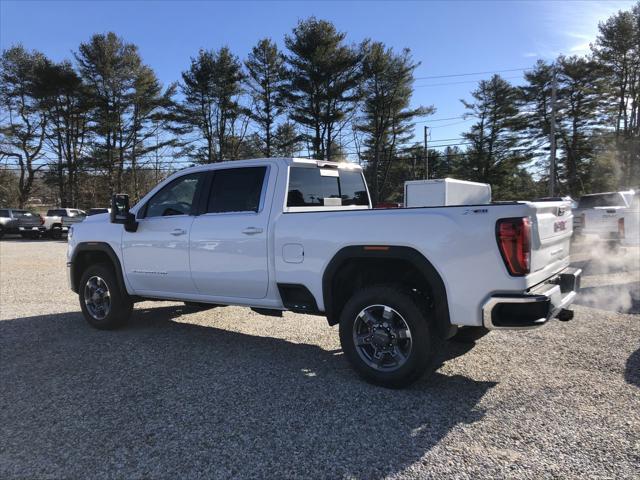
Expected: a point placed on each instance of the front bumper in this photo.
(534, 308)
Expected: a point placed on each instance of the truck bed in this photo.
(459, 241)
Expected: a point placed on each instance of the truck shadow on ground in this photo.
(162, 398)
(632, 370)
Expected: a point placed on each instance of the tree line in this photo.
(102, 122)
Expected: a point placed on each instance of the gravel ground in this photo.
(229, 393)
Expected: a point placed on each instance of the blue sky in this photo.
(446, 37)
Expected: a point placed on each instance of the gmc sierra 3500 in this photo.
(301, 235)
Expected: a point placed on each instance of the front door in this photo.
(156, 256)
(229, 240)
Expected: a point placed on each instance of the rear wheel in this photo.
(386, 336)
(103, 305)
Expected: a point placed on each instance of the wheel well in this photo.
(354, 268)
(85, 259)
(87, 255)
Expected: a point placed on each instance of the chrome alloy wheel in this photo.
(97, 298)
(382, 338)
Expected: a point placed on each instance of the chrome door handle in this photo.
(251, 230)
(178, 231)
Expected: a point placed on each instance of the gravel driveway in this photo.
(228, 393)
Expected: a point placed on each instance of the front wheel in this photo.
(386, 336)
(103, 304)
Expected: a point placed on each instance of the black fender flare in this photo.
(411, 255)
(102, 247)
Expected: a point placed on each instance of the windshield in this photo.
(602, 200)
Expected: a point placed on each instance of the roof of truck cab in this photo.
(287, 161)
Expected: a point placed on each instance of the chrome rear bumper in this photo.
(534, 308)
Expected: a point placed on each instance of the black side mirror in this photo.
(120, 212)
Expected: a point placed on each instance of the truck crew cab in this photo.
(300, 235)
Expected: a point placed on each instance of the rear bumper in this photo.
(25, 229)
(533, 308)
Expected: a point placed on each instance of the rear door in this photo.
(228, 246)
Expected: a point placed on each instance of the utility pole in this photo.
(426, 154)
(552, 136)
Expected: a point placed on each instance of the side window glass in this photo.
(236, 190)
(4, 213)
(175, 198)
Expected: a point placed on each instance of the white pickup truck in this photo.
(597, 214)
(58, 220)
(300, 235)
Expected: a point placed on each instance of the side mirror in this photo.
(120, 212)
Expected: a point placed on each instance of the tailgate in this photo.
(28, 220)
(68, 221)
(552, 226)
(601, 220)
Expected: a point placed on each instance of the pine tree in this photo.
(68, 103)
(211, 107)
(493, 155)
(386, 121)
(617, 50)
(266, 80)
(322, 90)
(23, 129)
(127, 99)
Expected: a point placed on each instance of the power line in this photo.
(468, 74)
(458, 83)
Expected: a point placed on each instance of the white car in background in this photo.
(58, 220)
(629, 223)
(597, 213)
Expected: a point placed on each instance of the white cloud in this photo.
(573, 26)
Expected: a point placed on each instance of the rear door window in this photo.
(321, 187)
(236, 190)
(4, 214)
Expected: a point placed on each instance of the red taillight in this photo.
(514, 241)
(621, 228)
(41, 219)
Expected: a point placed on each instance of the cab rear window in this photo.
(604, 200)
(324, 187)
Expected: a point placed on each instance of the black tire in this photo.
(119, 305)
(424, 343)
(1, 232)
